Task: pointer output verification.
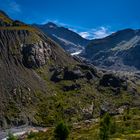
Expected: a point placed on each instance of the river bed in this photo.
(18, 131)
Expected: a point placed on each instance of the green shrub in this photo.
(31, 135)
(61, 131)
(12, 137)
(105, 126)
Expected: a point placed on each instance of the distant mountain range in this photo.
(119, 51)
(66, 38)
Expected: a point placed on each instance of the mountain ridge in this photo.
(66, 38)
(114, 49)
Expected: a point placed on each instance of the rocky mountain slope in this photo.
(117, 51)
(22, 50)
(40, 84)
(69, 40)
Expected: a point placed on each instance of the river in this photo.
(18, 131)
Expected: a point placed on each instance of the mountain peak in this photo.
(51, 25)
(66, 38)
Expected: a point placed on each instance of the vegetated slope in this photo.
(69, 40)
(124, 126)
(22, 50)
(118, 51)
(41, 84)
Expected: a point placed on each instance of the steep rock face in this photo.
(119, 50)
(15, 45)
(18, 84)
(35, 55)
(69, 40)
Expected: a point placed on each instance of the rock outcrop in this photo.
(36, 55)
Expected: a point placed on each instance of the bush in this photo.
(61, 131)
(12, 137)
(31, 135)
(105, 126)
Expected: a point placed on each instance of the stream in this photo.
(18, 131)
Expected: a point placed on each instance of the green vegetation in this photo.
(12, 137)
(120, 127)
(61, 104)
(105, 127)
(61, 131)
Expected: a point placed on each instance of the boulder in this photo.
(110, 80)
(71, 87)
(57, 75)
(35, 55)
(73, 74)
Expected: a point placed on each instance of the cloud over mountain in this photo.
(96, 33)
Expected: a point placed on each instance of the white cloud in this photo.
(97, 33)
(101, 32)
(85, 34)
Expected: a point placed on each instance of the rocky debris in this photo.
(79, 71)
(104, 108)
(71, 87)
(110, 80)
(113, 110)
(35, 55)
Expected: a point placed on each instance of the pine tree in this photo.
(61, 131)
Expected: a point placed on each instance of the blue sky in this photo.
(90, 18)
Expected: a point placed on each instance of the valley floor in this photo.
(124, 127)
